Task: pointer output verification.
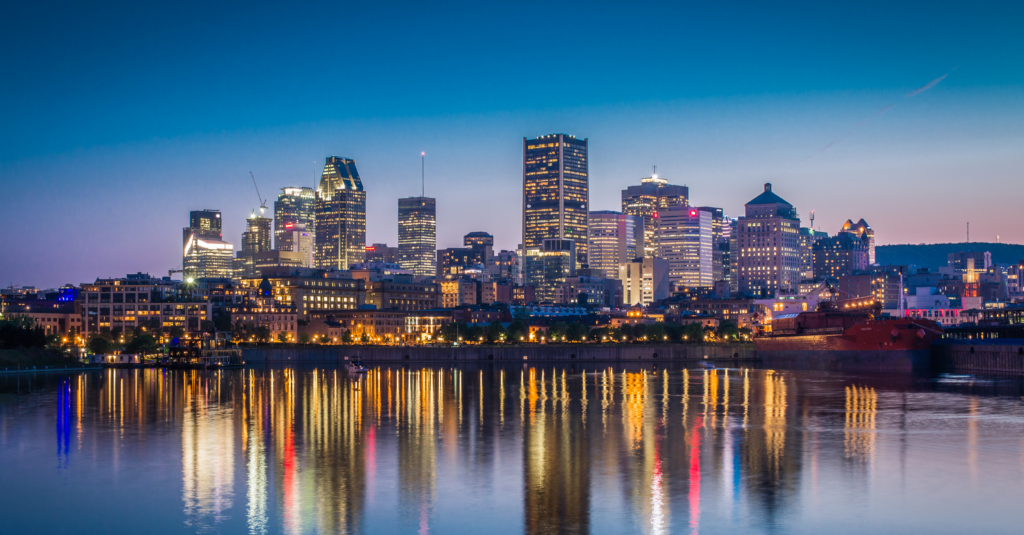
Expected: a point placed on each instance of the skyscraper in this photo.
(255, 240)
(653, 194)
(293, 210)
(719, 233)
(861, 228)
(339, 211)
(417, 235)
(613, 239)
(684, 239)
(205, 253)
(769, 247)
(555, 197)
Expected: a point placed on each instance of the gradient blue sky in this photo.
(119, 119)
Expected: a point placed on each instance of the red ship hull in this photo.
(879, 345)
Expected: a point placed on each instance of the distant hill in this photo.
(936, 255)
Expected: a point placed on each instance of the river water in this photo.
(514, 449)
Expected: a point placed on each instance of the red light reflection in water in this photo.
(291, 495)
(695, 478)
(371, 461)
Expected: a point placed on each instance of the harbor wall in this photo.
(544, 353)
(979, 356)
(836, 360)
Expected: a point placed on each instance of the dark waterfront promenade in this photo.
(509, 448)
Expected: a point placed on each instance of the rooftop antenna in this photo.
(655, 171)
(423, 174)
(968, 232)
(812, 219)
(263, 204)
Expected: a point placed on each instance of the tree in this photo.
(281, 337)
(346, 337)
(21, 331)
(656, 332)
(473, 333)
(625, 332)
(176, 332)
(728, 330)
(517, 332)
(557, 331)
(262, 334)
(576, 332)
(521, 314)
(495, 332)
(144, 344)
(303, 338)
(639, 332)
(99, 345)
(365, 338)
(693, 333)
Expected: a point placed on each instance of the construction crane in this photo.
(263, 204)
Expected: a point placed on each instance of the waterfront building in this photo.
(425, 325)
(265, 311)
(339, 213)
(255, 240)
(117, 305)
(768, 245)
(417, 235)
(312, 290)
(380, 326)
(613, 238)
(205, 253)
(684, 239)
(293, 212)
(555, 196)
(644, 280)
(864, 231)
(381, 253)
(881, 283)
(646, 200)
(402, 294)
(59, 318)
(843, 254)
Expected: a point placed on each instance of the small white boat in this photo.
(355, 366)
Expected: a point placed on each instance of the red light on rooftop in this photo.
(693, 213)
(370, 249)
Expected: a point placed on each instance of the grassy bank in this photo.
(28, 357)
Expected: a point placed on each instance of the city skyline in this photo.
(887, 122)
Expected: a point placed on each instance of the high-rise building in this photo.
(381, 253)
(734, 255)
(417, 235)
(613, 239)
(843, 254)
(644, 280)
(557, 261)
(205, 253)
(684, 239)
(719, 233)
(769, 247)
(807, 238)
(555, 196)
(255, 240)
(477, 253)
(861, 229)
(340, 215)
(478, 240)
(652, 195)
(293, 210)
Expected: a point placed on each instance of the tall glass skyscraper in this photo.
(653, 194)
(417, 235)
(614, 239)
(293, 207)
(339, 212)
(255, 240)
(205, 253)
(556, 192)
(685, 239)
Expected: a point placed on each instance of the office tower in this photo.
(806, 240)
(861, 229)
(380, 252)
(684, 239)
(719, 232)
(293, 210)
(734, 255)
(652, 195)
(557, 262)
(769, 248)
(841, 255)
(505, 266)
(644, 280)
(417, 235)
(453, 261)
(478, 240)
(298, 239)
(205, 253)
(613, 239)
(255, 240)
(555, 196)
(340, 215)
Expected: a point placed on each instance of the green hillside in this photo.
(935, 255)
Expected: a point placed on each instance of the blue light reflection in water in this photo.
(514, 449)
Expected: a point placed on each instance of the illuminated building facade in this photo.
(255, 240)
(118, 305)
(719, 233)
(339, 213)
(381, 253)
(644, 280)
(453, 262)
(646, 200)
(862, 230)
(684, 239)
(555, 195)
(417, 235)
(293, 222)
(312, 290)
(841, 255)
(264, 310)
(205, 253)
(556, 262)
(768, 244)
(613, 239)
